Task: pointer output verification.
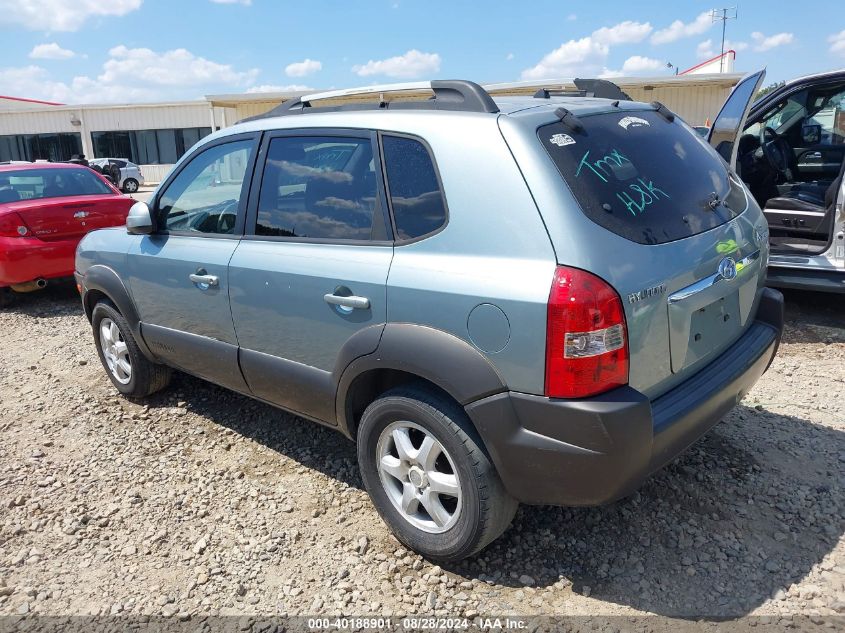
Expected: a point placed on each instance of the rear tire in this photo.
(130, 185)
(470, 507)
(128, 369)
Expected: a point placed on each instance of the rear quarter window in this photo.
(416, 199)
(642, 177)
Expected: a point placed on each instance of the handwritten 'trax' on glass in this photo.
(636, 196)
(601, 166)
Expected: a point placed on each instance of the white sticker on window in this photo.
(632, 121)
(562, 139)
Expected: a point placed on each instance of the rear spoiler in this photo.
(598, 88)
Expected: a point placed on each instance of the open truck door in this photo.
(730, 121)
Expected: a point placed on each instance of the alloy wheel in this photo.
(419, 477)
(115, 351)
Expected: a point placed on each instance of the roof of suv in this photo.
(454, 97)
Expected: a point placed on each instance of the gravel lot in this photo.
(200, 501)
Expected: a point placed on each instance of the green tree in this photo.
(768, 89)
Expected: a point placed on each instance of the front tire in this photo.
(428, 476)
(128, 369)
(130, 185)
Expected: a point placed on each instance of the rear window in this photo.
(643, 178)
(33, 184)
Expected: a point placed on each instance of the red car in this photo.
(45, 209)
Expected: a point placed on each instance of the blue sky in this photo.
(92, 51)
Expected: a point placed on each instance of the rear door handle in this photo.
(360, 303)
(201, 278)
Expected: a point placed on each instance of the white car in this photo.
(131, 177)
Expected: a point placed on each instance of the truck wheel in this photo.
(428, 476)
(128, 369)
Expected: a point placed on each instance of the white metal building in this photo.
(155, 135)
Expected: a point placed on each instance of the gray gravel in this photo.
(199, 501)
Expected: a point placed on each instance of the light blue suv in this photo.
(537, 300)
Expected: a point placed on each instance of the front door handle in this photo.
(203, 279)
(360, 303)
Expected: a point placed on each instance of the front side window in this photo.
(415, 196)
(320, 188)
(33, 184)
(205, 197)
(808, 117)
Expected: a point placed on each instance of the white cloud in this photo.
(509, 56)
(571, 17)
(303, 68)
(837, 43)
(639, 64)
(764, 43)
(707, 50)
(246, 3)
(582, 57)
(60, 15)
(275, 88)
(704, 50)
(626, 32)
(412, 64)
(679, 30)
(130, 74)
(178, 67)
(587, 56)
(634, 65)
(50, 51)
(608, 73)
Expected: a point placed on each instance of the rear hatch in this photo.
(64, 204)
(661, 218)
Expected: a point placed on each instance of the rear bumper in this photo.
(806, 279)
(24, 259)
(593, 451)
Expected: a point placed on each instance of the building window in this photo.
(147, 147)
(53, 147)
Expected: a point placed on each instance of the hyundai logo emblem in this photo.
(727, 268)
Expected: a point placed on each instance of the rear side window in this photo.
(642, 177)
(321, 188)
(32, 184)
(415, 196)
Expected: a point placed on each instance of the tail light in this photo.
(12, 225)
(586, 337)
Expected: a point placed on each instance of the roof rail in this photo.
(456, 95)
(600, 88)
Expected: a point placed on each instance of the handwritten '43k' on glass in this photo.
(636, 196)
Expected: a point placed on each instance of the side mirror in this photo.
(811, 134)
(140, 220)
